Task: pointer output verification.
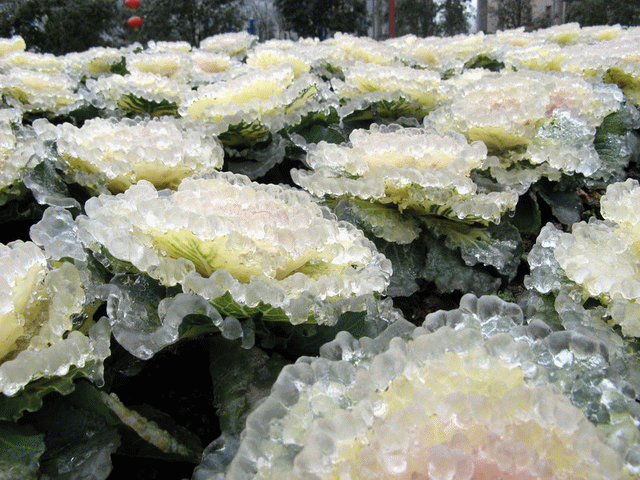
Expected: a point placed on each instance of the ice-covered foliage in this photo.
(115, 154)
(35, 91)
(411, 169)
(13, 44)
(411, 185)
(46, 314)
(393, 91)
(150, 194)
(535, 123)
(599, 259)
(137, 93)
(255, 98)
(234, 44)
(244, 246)
(463, 400)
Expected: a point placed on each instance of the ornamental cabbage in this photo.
(451, 403)
(536, 123)
(245, 247)
(254, 101)
(395, 91)
(118, 153)
(600, 258)
(414, 170)
(35, 91)
(42, 310)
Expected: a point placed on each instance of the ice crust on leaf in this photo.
(39, 305)
(396, 91)
(301, 55)
(601, 257)
(457, 398)
(265, 246)
(272, 97)
(134, 90)
(17, 145)
(234, 44)
(35, 91)
(536, 123)
(119, 153)
(413, 169)
(13, 44)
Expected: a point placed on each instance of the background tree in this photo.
(417, 17)
(513, 14)
(267, 20)
(60, 26)
(189, 20)
(314, 17)
(604, 12)
(455, 17)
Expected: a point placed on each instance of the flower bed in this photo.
(415, 258)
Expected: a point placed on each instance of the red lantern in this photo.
(132, 4)
(134, 22)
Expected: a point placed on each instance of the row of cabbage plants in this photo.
(287, 207)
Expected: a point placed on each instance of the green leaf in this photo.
(380, 220)
(20, 448)
(408, 261)
(245, 135)
(319, 133)
(527, 217)
(306, 339)
(119, 68)
(451, 273)
(47, 186)
(565, 204)
(227, 306)
(617, 143)
(484, 61)
(322, 118)
(140, 106)
(30, 399)
(241, 378)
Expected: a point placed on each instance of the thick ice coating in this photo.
(121, 152)
(413, 169)
(455, 403)
(537, 123)
(37, 308)
(603, 256)
(397, 91)
(260, 243)
(272, 96)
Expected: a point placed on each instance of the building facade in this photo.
(496, 15)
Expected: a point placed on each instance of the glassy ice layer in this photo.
(119, 153)
(412, 169)
(460, 397)
(225, 234)
(600, 258)
(38, 306)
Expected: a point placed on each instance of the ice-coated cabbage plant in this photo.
(535, 123)
(410, 169)
(599, 259)
(394, 91)
(446, 400)
(226, 209)
(45, 317)
(245, 247)
(407, 185)
(254, 101)
(111, 155)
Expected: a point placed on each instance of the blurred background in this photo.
(61, 26)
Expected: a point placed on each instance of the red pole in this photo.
(392, 18)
